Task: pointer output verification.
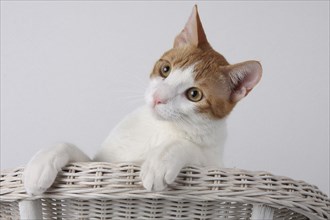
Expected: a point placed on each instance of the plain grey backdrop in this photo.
(70, 70)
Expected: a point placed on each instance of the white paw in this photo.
(156, 173)
(41, 171)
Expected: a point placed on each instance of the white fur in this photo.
(261, 212)
(30, 209)
(161, 138)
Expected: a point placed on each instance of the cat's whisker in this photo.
(128, 87)
(129, 92)
(120, 94)
(136, 82)
(130, 97)
(141, 81)
(125, 95)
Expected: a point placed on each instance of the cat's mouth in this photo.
(157, 111)
(164, 113)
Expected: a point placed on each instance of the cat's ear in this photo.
(243, 78)
(193, 32)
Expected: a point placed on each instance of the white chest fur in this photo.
(140, 133)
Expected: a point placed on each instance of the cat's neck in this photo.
(208, 133)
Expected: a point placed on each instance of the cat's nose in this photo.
(158, 100)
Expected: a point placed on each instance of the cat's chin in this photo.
(157, 114)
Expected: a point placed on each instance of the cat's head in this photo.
(194, 81)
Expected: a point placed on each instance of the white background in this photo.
(71, 70)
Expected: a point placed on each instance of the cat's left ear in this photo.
(243, 78)
(193, 32)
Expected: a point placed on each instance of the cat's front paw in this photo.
(40, 173)
(156, 173)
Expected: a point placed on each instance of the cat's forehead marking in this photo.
(206, 60)
(183, 57)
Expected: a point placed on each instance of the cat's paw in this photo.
(156, 173)
(40, 173)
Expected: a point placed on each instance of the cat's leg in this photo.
(164, 163)
(262, 212)
(41, 171)
(30, 209)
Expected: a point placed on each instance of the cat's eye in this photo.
(194, 94)
(165, 70)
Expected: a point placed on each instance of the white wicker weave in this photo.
(114, 191)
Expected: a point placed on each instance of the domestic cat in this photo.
(191, 92)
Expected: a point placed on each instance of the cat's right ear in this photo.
(243, 78)
(193, 32)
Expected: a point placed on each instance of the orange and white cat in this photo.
(192, 90)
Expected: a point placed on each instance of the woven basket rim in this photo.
(102, 180)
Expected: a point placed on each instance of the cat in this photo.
(191, 92)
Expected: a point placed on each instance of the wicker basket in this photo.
(114, 191)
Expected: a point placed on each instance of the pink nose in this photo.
(158, 101)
